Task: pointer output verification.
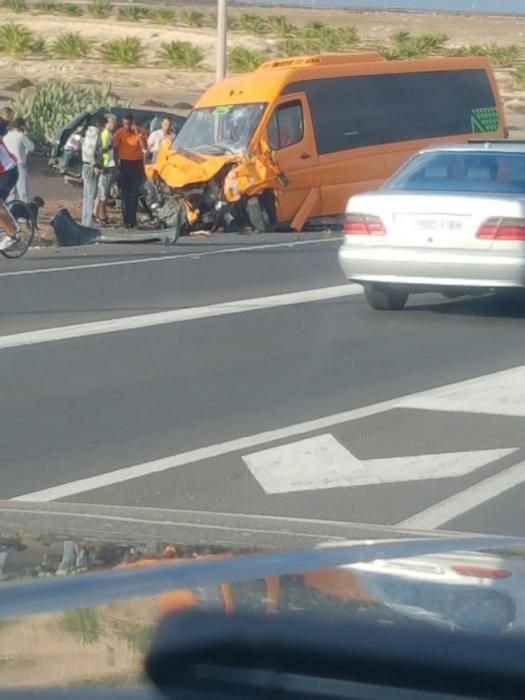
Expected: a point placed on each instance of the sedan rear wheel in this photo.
(385, 297)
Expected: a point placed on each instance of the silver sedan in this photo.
(452, 220)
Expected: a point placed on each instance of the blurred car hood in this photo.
(94, 602)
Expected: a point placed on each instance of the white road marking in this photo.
(105, 518)
(163, 258)
(503, 394)
(183, 518)
(467, 500)
(321, 462)
(128, 323)
(241, 444)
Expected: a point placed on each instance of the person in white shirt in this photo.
(20, 145)
(92, 166)
(165, 133)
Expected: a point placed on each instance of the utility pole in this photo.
(222, 30)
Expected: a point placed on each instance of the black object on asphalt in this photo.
(70, 233)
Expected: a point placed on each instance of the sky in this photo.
(499, 6)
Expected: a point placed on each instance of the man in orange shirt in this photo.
(130, 147)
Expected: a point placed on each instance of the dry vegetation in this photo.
(166, 53)
(97, 647)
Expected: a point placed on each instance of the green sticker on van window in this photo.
(484, 119)
(223, 109)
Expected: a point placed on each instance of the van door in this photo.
(290, 136)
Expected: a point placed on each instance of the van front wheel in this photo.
(257, 214)
(385, 297)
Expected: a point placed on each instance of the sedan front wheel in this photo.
(385, 297)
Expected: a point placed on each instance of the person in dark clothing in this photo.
(130, 148)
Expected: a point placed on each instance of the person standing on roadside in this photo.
(157, 137)
(107, 177)
(130, 148)
(20, 145)
(91, 168)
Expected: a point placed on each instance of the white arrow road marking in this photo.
(467, 500)
(322, 462)
(315, 463)
(501, 394)
(144, 469)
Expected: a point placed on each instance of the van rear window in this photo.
(461, 171)
(357, 111)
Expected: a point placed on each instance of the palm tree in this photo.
(193, 18)
(181, 54)
(253, 24)
(311, 30)
(281, 27)
(242, 60)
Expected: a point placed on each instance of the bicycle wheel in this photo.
(22, 213)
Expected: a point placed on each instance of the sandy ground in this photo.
(168, 87)
(171, 86)
(30, 647)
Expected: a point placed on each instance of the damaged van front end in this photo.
(213, 177)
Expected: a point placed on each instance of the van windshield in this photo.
(221, 129)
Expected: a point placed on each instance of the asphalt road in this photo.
(184, 378)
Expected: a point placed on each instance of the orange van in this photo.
(295, 138)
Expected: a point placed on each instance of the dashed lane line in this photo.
(129, 323)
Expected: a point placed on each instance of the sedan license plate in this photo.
(439, 224)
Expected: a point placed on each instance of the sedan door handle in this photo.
(304, 156)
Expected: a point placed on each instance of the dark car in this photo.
(65, 153)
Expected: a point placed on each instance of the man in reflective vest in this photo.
(107, 176)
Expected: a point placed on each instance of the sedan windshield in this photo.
(219, 130)
(462, 171)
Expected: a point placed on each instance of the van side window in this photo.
(368, 110)
(286, 126)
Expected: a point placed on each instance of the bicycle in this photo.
(26, 221)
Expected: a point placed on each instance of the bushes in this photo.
(71, 45)
(193, 18)
(318, 38)
(70, 9)
(519, 77)
(408, 46)
(164, 15)
(18, 41)
(281, 27)
(15, 5)
(46, 7)
(315, 37)
(181, 54)
(52, 104)
(125, 52)
(241, 60)
(133, 13)
(292, 47)
(500, 55)
(253, 24)
(100, 8)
